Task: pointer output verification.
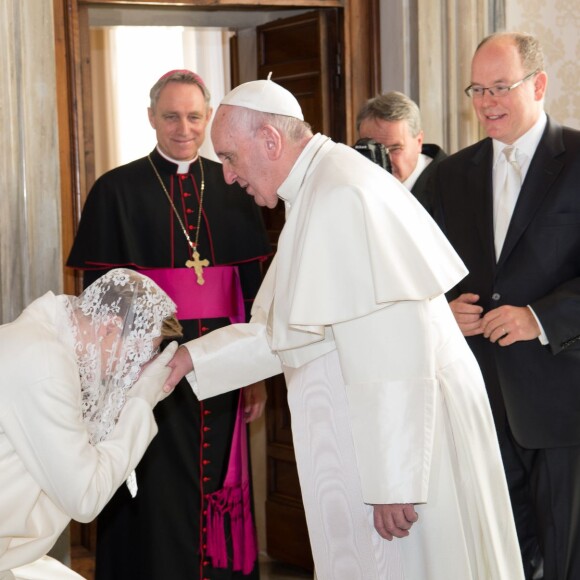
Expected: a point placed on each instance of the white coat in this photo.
(49, 472)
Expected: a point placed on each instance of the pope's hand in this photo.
(254, 401)
(149, 386)
(181, 365)
(394, 520)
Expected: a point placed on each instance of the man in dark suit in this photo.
(394, 120)
(520, 304)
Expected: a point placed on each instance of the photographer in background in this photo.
(394, 120)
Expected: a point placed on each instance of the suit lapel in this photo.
(543, 171)
(480, 192)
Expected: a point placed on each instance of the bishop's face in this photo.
(180, 120)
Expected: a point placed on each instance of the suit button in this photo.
(495, 296)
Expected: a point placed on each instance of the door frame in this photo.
(76, 149)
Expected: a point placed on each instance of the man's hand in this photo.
(180, 364)
(394, 520)
(254, 401)
(508, 324)
(467, 314)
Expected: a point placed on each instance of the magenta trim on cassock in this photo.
(233, 499)
(219, 297)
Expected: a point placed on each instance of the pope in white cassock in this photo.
(392, 429)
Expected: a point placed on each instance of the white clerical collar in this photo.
(422, 162)
(182, 166)
(292, 184)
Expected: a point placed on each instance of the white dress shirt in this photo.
(526, 147)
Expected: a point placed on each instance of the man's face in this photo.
(180, 119)
(244, 160)
(508, 117)
(404, 149)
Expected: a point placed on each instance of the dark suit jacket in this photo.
(420, 189)
(539, 266)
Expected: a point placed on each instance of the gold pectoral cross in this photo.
(198, 265)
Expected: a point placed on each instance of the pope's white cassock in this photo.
(387, 402)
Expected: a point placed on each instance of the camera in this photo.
(374, 151)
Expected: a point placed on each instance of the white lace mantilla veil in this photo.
(131, 304)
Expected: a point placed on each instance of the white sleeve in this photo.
(45, 427)
(387, 363)
(543, 338)
(231, 357)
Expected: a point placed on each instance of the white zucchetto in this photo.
(265, 96)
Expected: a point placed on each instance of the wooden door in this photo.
(303, 54)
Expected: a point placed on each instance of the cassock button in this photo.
(206, 412)
(204, 328)
(496, 296)
(206, 461)
(185, 194)
(183, 176)
(206, 428)
(206, 445)
(206, 478)
(188, 210)
(205, 563)
(190, 227)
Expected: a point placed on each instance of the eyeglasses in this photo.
(476, 92)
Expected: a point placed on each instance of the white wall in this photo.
(30, 245)
(398, 47)
(557, 25)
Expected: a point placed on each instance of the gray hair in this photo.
(178, 76)
(295, 130)
(391, 106)
(528, 46)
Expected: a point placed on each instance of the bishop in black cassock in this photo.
(128, 221)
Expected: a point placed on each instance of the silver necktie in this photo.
(507, 198)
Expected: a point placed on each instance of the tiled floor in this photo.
(272, 570)
(83, 564)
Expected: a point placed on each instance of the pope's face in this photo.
(180, 119)
(508, 117)
(243, 158)
(404, 149)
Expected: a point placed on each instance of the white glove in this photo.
(149, 386)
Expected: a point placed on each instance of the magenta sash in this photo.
(233, 499)
(220, 296)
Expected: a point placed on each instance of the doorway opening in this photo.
(126, 61)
